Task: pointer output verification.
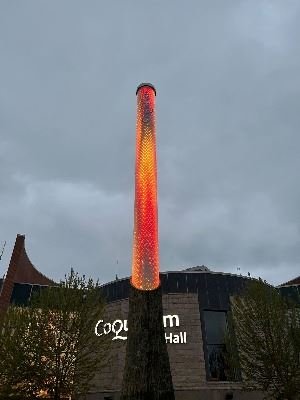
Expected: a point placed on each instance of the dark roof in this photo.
(295, 281)
(212, 288)
(201, 268)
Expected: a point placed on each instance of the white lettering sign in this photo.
(172, 338)
(170, 318)
(118, 327)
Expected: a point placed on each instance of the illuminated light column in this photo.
(145, 259)
(147, 374)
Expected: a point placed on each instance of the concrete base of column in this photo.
(147, 374)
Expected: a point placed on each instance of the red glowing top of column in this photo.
(145, 260)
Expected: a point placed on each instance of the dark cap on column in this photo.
(145, 84)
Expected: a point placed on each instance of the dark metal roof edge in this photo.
(287, 286)
(145, 84)
(185, 272)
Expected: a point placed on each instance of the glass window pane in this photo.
(218, 369)
(21, 293)
(215, 323)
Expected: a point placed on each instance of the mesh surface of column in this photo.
(145, 259)
(147, 374)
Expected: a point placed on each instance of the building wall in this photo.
(187, 360)
(109, 379)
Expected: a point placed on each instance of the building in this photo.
(22, 277)
(195, 303)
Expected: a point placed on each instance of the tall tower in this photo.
(145, 260)
(147, 374)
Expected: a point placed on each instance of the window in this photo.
(214, 329)
(21, 293)
(216, 362)
(215, 324)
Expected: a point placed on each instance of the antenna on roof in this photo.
(116, 269)
(2, 250)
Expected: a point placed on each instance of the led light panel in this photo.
(145, 260)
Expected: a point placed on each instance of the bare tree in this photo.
(49, 347)
(264, 341)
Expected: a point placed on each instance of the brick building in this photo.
(195, 303)
(22, 278)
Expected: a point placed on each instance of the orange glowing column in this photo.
(145, 260)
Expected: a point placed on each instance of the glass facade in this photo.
(217, 366)
(22, 293)
(215, 325)
(214, 346)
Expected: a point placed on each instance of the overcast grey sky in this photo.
(228, 84)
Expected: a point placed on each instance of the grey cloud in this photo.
(227, 133)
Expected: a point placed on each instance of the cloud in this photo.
(227, 133)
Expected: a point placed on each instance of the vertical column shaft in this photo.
(145, 259)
